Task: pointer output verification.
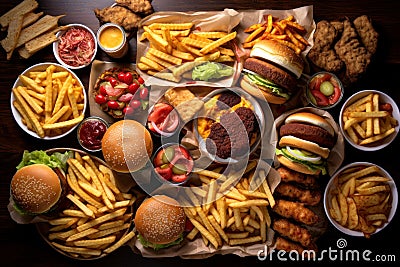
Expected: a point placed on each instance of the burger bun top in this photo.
(127, 146)
(36, 188)
(160, 219)
(279, 54)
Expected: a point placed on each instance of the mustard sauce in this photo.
(111, 37)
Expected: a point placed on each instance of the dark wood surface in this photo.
(21, 245)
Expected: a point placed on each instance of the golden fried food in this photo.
(288, 175)
(118, 15)
(293, 232)
(137, 6)
(306, 196)
(296, 211)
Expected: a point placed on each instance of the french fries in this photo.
(368, 120)
(90, 227)
(361, 199)
(48, 101)
(286, 31)
(232, 215)
(175, 49)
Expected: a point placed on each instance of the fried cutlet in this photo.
(352, 52)
(118, 15)
(137, 6)
(367, 33)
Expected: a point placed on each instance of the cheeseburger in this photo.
(160, 222)
(126, 146)
(305, 143)
(39, 185)
(272, 71)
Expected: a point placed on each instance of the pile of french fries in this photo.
(229, 214)
(175, 49)
(100, 215)
(361, 199)
(286, 31)
(50, 102)
(368, 120)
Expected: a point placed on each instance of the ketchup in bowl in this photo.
(163, 120)
(90, 132)
(173, 163)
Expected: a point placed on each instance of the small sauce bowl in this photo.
(90, 133)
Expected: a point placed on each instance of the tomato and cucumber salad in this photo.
(173, 163)
(120, 92)
(324, 89)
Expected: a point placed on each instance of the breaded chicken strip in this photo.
(139, 6)
(367, 33)
(293, 231)
(306, 196)
(296, 211)
(288, 175)
(288, 246)
(118, 15)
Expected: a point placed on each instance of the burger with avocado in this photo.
(271, 71)
(39, 185)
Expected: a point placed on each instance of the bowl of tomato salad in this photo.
(324, 90)
(163, 120)
(173, 163)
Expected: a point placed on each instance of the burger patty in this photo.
(227, 138)
(228, 99)
(308, 132)
(271, 73)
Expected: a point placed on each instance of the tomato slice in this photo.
(159, 113)
(158, 159)
(335, 96)
(165, 173)
(321, 99)
(184, 152)
(179, 178)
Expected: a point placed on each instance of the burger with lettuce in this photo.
(160, 222)
(39, 185)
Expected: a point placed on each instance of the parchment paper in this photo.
(225, 21)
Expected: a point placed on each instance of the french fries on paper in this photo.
(368, 120)
(100, 215)
(286, 31)
(175, 49)
(230, 214)
(361, 199)
(49, 102)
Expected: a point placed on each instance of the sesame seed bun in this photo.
(160, 220)
(127, 146)
(36, 188)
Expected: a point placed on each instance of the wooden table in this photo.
(21, 245)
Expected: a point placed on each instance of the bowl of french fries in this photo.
(48, 101)
(369, 120)
(99, 218)
(360, 199)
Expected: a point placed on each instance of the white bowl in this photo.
(60, 33)
(42, 67)
(332, 184)
(384, 98)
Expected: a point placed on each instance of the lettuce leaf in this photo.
(309, 165)
(156, 247)
(55, 160)
(211, 70)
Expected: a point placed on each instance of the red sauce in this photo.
(91, 132)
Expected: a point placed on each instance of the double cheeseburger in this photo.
(305, 141)
(39, 187)
(160, 222)
(126, 146)
(271, 71)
